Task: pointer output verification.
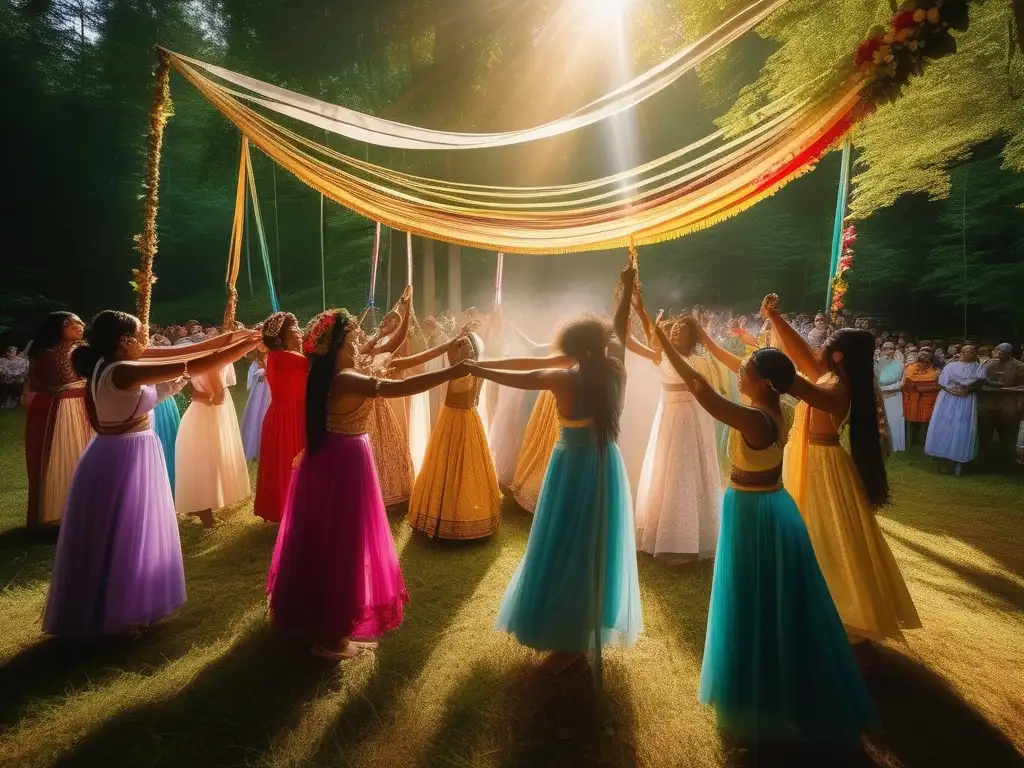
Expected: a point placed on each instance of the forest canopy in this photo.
(937, 185)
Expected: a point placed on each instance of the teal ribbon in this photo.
(264, 252)
(837, 229)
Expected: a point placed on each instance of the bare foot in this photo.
(347, 650)
(558, 662)
(369, 645)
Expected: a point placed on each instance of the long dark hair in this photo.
(49, 332)
(321, 374)
(586, 340)
(102, 340)
(858, 363)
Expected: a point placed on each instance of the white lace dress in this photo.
(678, 505)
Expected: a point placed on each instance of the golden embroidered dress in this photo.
(391, 453)
(456, 495)
(538, 443)
(862, 575)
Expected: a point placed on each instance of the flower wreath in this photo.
(317, 338)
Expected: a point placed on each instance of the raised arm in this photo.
(133, 376)
(633, 344)
(397, 339)
(620, 324)
(833, 400)
(404, 363)
(756, 429)
(726, 358)
(791, 342)
(526, 363)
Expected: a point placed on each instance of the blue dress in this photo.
(551, 604)
(166, 420)
(777, 663)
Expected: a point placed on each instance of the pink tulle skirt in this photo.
(335, 572)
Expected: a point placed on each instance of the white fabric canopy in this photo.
(387, 133)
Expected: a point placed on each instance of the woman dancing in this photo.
(335, 574)
(211, 470)
(679, 499)
(256, 405)
(118, 562)
(283, 436)
(838, 495)
(456, 496)
(777, 666)
(57, 427)
(576, 588)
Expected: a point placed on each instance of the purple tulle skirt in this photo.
(118, 561)
(335, 572)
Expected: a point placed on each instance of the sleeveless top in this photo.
(755, 469)
(116, 408)
(579, 418)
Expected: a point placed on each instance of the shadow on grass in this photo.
(441, 576)
(925, 723)
(683, 592)
(1005, 594)
(51, 666)
(563, 720)
(224, 717)
(26, 556)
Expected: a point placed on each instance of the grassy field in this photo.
(217, 686)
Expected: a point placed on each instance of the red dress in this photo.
(284, 432)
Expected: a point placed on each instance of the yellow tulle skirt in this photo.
(538, 443)
(71, 435)
(456, 494)
(862, 575)
(391, 454)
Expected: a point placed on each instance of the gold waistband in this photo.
(346, 424)
(814, 439)
(668, 386)
(460, 402)
(759, 480)
(575, 423)
(64, 388)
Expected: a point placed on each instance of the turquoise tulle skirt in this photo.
(777, 663)
(551, 602)
(166, 420)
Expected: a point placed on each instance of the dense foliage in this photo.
(936, 186)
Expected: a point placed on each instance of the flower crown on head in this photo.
(273, 324)
(317, 338)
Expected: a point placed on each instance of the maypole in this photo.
(837, 227)
(499, 275)
(160, 111)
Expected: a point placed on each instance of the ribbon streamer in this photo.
(498, 277)
(373, 264)
(408, 258)
(264, 251)
(387, 133)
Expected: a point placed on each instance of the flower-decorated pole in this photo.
(160, 111)
(837, 228)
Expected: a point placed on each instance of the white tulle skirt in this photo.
(678, 505)
(210, 469)
(507, 431)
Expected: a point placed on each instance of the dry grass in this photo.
(216, 686)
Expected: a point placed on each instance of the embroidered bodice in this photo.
(352, 423)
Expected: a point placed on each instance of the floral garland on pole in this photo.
(839, 286)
